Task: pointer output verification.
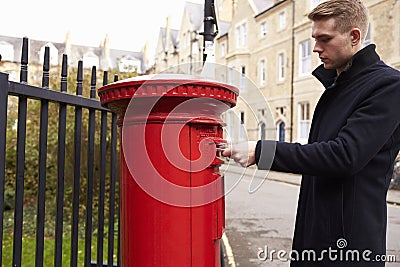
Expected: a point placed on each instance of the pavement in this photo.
(258, 215)
(393, 196)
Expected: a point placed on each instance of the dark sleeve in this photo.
(366, 131)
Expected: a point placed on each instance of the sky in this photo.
(129, 24)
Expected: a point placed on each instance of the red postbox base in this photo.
(172, 194)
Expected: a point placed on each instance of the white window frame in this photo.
(244, 34)
(304, 122)
(223, 50)
(305, 58)
(241, 35)
(263, 29)
(238, 36)
(282, 20)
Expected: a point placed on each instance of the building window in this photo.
(262, 72)
(238, 37)
(6, 51)
(282, 20)
(263, 29)
(262, 130)
(243, 78)
(281, 132)
(232, 123)
(242, 128)
(303, 122)
(367, 40)
(244, 31)
(241, 35)
(281, 66)
(305, 63)
(223, 50)
(232, 76)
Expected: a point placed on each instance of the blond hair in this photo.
(348, 14)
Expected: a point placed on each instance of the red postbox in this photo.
(172, 194)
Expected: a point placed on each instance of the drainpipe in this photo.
(292, 72)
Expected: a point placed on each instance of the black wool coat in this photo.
(346, 165)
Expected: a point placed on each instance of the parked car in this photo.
(395, 183)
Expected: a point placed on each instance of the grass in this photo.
(29, 249)
(29, 242)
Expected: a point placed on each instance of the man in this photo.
(354, 139)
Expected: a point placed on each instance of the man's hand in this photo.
(242, 153)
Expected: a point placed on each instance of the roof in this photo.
(262, 5)
(270, 7)
(223, 28)
(76, 53)
(196, 15)
(173, 37)
(16, 43)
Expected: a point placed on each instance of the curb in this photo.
(228, 251)
(393, 197)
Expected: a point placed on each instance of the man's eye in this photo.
(325, 40)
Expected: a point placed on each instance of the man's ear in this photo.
(355, 35)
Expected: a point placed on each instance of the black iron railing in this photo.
(91, 176)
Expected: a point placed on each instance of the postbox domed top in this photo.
(167, 85)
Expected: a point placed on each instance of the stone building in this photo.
(103, 57)
(264, 47)
(180, 51)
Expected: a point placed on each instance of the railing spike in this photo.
(79, 78)
(93, 83)
(105, 78)
(46, 68)
(24, 61)
(64, 73)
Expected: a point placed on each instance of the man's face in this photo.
(334, 48)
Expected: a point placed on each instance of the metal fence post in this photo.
(3, 131)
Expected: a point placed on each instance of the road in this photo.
(265, 219)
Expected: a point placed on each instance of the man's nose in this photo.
(317, 48)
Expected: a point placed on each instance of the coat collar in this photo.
(362, 59)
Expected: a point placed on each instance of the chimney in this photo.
(167, 33)
(234, 6)
(106, 60)
(145, 53)
(225, 10)
(67, 43)
(106, 46)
